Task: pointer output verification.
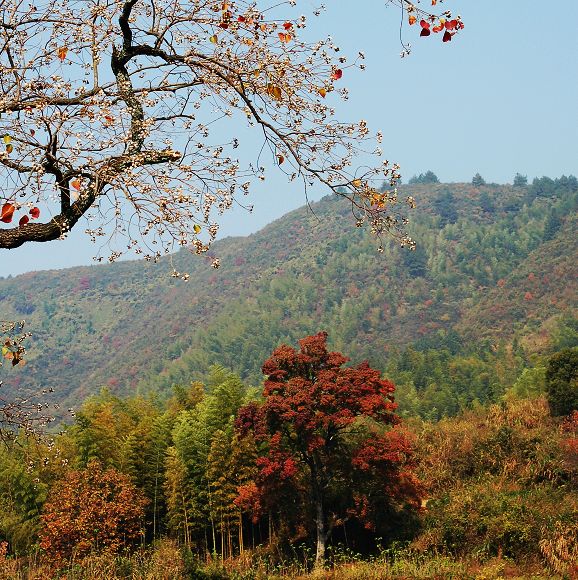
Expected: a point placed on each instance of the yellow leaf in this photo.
(196, 228)
(322, 92)
(62, 51)
(378, 200)
(7, 139)
(213, 39)
(356, 183)
(274, 91)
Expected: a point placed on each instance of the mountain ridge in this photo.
(483, 269)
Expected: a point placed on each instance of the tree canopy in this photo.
(91, 509)
(562, 382)
(108, 111)
(428, 177)
(328, 434)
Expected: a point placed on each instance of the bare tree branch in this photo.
(130, 97)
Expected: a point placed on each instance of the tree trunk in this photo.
(320, 525)
(241, 545)
(321, 533)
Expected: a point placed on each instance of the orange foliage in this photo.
(91, 510)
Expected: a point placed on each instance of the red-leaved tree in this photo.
(331, 440)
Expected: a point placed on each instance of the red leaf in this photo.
(337, 74)
(23, 220)
(7, 212)
(425, 32)
(451, 24)
(424, 24)
(288, 25)
(447, 36)
(34, 212)
(438, 28)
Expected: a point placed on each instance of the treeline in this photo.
(220, 468)
(316, 460)
(493, 264)
(485, 276)
(440, 377)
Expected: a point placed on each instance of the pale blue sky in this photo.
(501, 98)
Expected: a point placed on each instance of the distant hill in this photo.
(495, 265)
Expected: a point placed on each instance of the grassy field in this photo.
(166, 561)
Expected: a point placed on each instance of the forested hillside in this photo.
(491, 284)
(205, 487)
(452, 454)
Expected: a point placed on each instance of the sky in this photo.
(501, 98)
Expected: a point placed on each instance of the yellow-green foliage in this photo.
(501, 482)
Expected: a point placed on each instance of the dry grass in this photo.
(166, 563)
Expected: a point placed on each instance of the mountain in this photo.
(495, 268)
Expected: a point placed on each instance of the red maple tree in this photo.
(326, 428)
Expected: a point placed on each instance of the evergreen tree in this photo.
(192, 442)
(21, 499)
(416, 261)
(530, 384)
(487, 203)
(445, 206)
(562, 382)
(478, 180)
(566, 333)
(552, 225)
(144, 450)
(542, 187)
(424, 178)
(193, 437)
(520, 180)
